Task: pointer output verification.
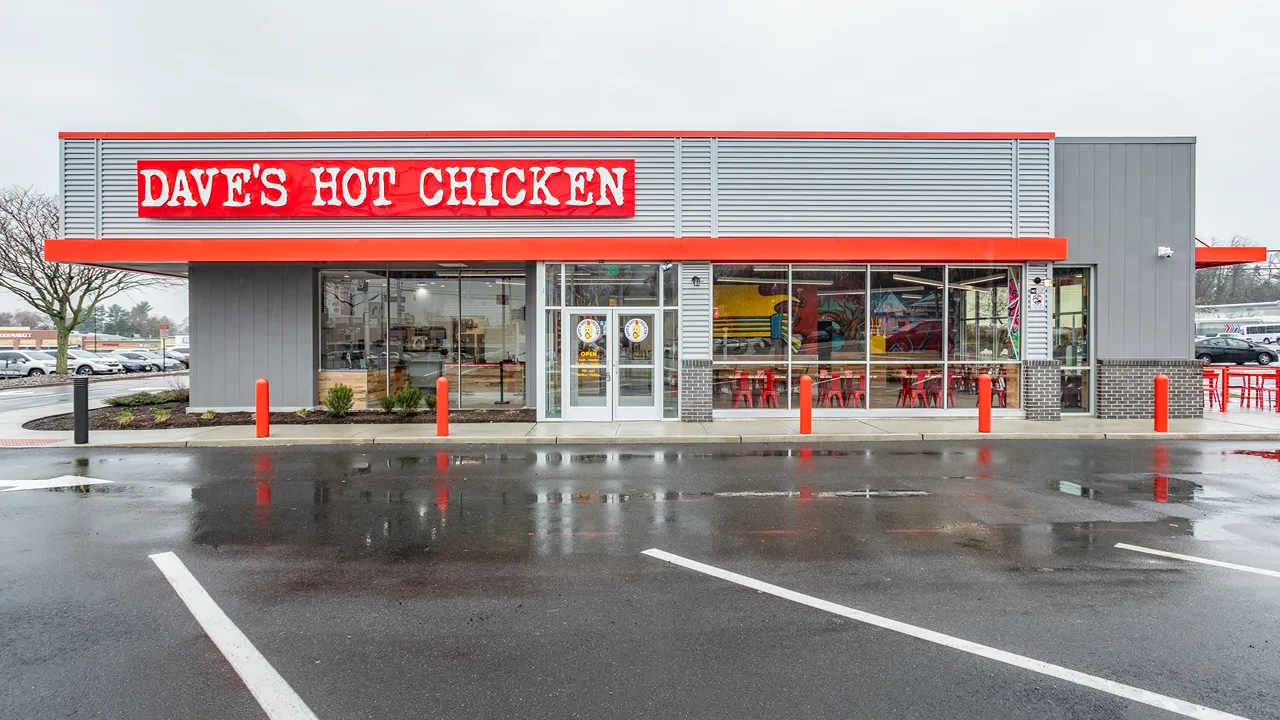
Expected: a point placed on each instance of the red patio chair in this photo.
(904, 392)
(918, 392)
(768, 396)
(935, 392)
(1210, 386)
(744, 389)
(999, 391)
(857, 390)
(830, 389)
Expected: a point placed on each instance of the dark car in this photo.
(1234, 350)
(135, 361)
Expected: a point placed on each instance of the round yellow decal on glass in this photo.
(636, 330)
(589, 330)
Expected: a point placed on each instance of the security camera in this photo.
(1164, 252)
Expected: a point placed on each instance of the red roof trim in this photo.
(1207, 257)
(374, 134)
(584, 249)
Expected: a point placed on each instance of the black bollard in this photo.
(80, 401)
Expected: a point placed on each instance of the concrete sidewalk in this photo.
(1234, 425)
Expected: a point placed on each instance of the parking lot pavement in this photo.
(21, 398)
(404, 582)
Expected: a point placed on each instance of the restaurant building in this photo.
(661, 275)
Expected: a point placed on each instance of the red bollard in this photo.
(1226, 388)
(262, 408)
(1162, 403)
(442, 406)
(984, 403)
(806, 405)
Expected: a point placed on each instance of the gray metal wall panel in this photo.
(1037, 331)
(79, 188)
(1117, 201)
(729, 186)
(249, 322)
(931, 188)
(654, 187)
(695, 311)
(1035, 181)
(695, 183)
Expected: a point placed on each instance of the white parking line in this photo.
(1202, 561)
(1146, 697)
(270, 690)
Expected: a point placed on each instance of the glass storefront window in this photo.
(1075, 390)
(751, 312)
(740, 387)
(1071, 316)
(553, 366)
(551, 297)
(914, 386)
(834, 385)
(603, 285)
(491, 340)
(906, 313)
(1006, 385)
(984, 313)
(671, 286)
(829, 307)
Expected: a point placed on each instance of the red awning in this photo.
(584, 249)
(1208, 257)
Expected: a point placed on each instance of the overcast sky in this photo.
(1208, 69)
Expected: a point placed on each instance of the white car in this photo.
(83, 362)
(24, 363)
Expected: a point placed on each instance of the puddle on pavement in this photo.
(1123, 489)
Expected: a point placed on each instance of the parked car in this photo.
(137, 360)
(83, 362)
(183, 352)
(1234, 350)
(27, 363)
(922, 336)
(175, 358)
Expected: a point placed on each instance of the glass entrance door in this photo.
(612, 365)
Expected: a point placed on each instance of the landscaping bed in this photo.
(108, 418)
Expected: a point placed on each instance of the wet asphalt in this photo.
(461, 582)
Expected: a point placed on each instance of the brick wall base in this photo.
(695, 391)
(1042, 389)
(1126, 388)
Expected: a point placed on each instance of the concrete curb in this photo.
(670, 440)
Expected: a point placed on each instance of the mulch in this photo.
(108, 418)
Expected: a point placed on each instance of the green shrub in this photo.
(302, 412)
(151, 398)
(339, 399)
(208, 415)
(125, 417)
(387, 403)
(162, 414)
(431, 401)
(408, 399)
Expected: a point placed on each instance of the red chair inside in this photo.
(831, 394)
(919, 394)
(904, 392)
(857, 389)
(768, 396)
(744, 389)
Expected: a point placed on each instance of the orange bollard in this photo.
(262, 408)
(806, 405)
(442, 406)
(1162, 403)
(984, 403)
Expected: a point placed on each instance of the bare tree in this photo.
(66, 293)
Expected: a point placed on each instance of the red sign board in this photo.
(385, 188)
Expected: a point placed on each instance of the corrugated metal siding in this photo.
(1037, 332)
(695, 311)
(1117, 200)
(695, 183)
(654, 187)
(79, 188)
(728, 187)
(866, 187)
(252, 321)
(1034, 183)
